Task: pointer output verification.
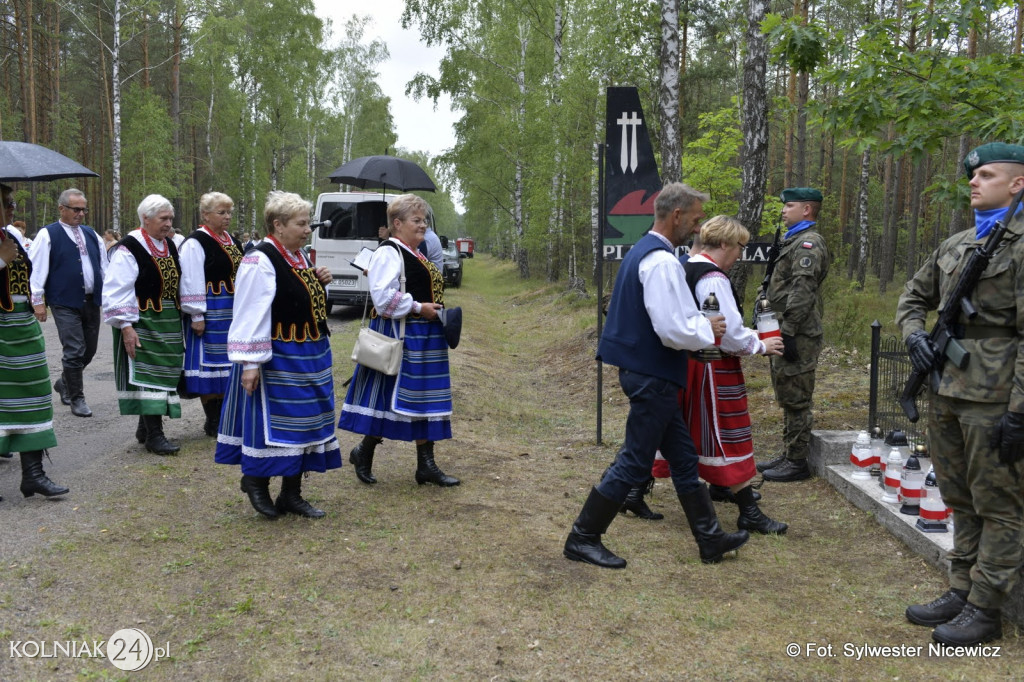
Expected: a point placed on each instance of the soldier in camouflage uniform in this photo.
(794, 293)
(976, 420)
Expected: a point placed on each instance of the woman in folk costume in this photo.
(26, 408)
(715, 401)
(278, 416)
(416, 405)
(140, 301)
(209, 261)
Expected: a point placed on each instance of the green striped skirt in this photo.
(148, 384)
(26, 410)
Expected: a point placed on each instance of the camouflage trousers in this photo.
(794, 393)
(986, 497)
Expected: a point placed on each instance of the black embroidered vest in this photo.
(158, 277)
(14, 277)
(220, 263)
(299, 310)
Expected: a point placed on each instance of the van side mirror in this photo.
(444, 242)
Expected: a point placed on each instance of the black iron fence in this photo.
(890, 367)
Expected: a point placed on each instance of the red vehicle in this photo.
(465, 247)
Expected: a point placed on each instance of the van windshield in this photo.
(353, 220)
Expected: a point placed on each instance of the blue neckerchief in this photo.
(984, 221)
(799, 227)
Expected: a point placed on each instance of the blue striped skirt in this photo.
(207, 367)
(416, 404)
(286, 426)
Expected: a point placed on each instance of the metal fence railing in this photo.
(890, 368)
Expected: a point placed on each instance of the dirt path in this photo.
(91, 453)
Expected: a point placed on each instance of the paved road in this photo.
(91, 453)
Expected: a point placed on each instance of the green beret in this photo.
(800, 194)
(993, 152)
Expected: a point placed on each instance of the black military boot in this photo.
(426, 469)
(211, 408)
(788, 471)
(752, 518)
(635, 502)
(33, 478)
(362, 459)
(257, 488)
(75, 386)
(714, 543)
(290, 500)
(770, 464)
(722, 493)
(971, 626)
(156, 442)
(62, 389)
(942, 610)
(584, 541)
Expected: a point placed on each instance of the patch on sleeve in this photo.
(807, 245)
(805, 262)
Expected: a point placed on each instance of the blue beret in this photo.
(993, 152)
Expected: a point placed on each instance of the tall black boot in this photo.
(33, 478)
(140, 430)
(584, 541)
(290, 500)
(362, 459)
(212, 410)
(257, 488)
(426, 469)
(635, 502)
(155, 440)
(714, 543)
(61, 387)
(752, 518)
(76, 391)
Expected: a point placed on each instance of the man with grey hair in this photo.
(141, 302)
(68, 265)
(652, 322)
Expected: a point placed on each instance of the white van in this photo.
(355, 218)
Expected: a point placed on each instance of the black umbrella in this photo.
(386, 172)
(23, 161)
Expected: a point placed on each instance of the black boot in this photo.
(257, 488)
(635, 502)
(714, 543)
(212, 410)
(290, 500)
(33, 478)
(721, 493)
(61, 387)
(788, 471)
(972, 626)
(942, 610)
(770, 464)
(362, 459)
(426, 469)
(584, 541)
(140, 430)
(752, 518)
(75, 386)
(155, 440)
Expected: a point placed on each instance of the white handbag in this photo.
(378, 351)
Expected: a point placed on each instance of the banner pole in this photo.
(600, 277)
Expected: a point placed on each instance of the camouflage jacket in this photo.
(995, 372)
(795, 288)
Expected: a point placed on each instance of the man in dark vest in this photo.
(652, 322)
(68, 264)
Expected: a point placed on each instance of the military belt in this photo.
(978, 332)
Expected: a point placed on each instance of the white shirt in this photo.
(385, 289)
(120, 305)
(675, 316)
(738, 340)
(39, 254)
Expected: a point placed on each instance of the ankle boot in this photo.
(140, 430)
(155, 440)
(33, 478)
(290, 500)
(584, 541)
(714, 543)
(212, 410)
(257, 488)
(426, 469)
(362, 459)
(76, 391)
(974, 625)
(61, 387)
(752, 518)
(635, 502)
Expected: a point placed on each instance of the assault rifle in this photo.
(944, 343)
(773, 257)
